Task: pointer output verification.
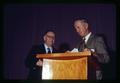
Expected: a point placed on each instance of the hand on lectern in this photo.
(67, 51)
(86, 49)
(39, 63)
(92, 51)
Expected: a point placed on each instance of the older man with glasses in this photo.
(34, 64)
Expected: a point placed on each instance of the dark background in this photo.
(24, 25)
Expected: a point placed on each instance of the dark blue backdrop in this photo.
(24, 25)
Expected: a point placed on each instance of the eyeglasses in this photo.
(53, 37)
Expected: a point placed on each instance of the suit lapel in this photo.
(90, 40)
(42, 48)
(88, 44)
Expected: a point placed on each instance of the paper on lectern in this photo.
(74, 50)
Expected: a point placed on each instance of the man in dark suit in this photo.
(93, 43)
(34, 64)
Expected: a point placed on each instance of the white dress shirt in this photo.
(87, 37)
(46, 48)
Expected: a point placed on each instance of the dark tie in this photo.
(84, 44)
(48, 50)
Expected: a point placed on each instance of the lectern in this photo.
(65, 65)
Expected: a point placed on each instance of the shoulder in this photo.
(54, 50)
(40, 46)
(98, 38)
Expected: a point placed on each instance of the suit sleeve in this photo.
(101, 50)
(31, 59)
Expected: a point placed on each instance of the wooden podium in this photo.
(65, 65)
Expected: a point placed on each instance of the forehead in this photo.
(78, 22)
(50, 33)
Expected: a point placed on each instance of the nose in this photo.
(78, 30)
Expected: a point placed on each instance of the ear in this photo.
(53, 41)
(86, 25)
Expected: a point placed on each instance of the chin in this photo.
(50, 44)
(81, 35)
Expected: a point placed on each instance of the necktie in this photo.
(48, 50)
(84, 44)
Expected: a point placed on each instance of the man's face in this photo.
(81, 28)
(49, 38)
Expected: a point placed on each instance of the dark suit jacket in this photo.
(35, 72)
(96, 42)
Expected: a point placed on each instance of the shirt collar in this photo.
(87, 37)
(47, 47)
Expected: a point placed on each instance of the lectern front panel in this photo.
(65, 69)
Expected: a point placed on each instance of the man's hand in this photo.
(86, 49)
(92, 51)
(39, 63)
(67, 51)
